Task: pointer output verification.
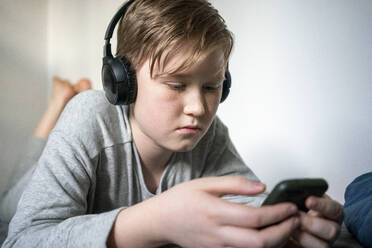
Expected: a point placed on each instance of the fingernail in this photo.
(293, 209)
(313, 202)
(259, 186)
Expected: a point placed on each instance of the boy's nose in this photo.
(194, 103)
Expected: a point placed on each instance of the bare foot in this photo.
(62, 92)
(82, 85)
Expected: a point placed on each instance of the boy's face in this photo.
(173, 112)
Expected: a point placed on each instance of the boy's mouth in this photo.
(191, 129)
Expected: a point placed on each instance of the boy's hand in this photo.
(321, 225)
(192, 214)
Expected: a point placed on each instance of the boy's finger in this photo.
(307, 240)
(326, 207)
(245, 216)
(229, 185)
(279, 234)
(237, 237)
(274, 236)
(322, 228)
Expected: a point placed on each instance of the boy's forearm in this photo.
(136, 226)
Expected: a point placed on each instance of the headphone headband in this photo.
(115, 19)
(111, 27)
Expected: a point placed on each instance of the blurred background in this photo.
(301, 99)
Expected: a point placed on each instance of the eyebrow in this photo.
(217, 76)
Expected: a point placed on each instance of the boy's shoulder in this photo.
(90, 117)
(217, 129)
(93, 100)
(88, 107)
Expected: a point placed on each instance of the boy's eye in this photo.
(212, 87)
(176, 86)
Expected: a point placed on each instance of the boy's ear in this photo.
(226, 85)
(119, 80)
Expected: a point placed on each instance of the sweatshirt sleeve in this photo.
(56, 207)
(224, 160)
(19, 178)
(53, 209)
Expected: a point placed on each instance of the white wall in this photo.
(23, 75)
(301, 102)
(75, 37)
(42, 38)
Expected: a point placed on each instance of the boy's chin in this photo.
(184, 147)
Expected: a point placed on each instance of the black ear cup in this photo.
(226, 85)
(119, 81)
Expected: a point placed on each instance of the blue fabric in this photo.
(358, 208)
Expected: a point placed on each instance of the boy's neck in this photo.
(153, 160)
(153, 157)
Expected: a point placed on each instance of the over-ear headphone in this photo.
(119, 79)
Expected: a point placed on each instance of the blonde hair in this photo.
(150, 27)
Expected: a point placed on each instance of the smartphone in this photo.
(296, 191)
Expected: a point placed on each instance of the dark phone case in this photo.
(296, 191)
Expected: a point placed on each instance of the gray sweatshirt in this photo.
(90, 170)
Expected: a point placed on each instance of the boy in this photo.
(121, 176)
